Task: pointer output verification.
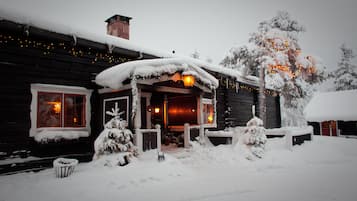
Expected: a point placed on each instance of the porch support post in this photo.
(139, 140)
(186, 135)
(137, 119)
(158, 137)
(201, 122)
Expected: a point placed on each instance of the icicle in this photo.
(253, 110)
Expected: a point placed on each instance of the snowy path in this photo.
(320, 170)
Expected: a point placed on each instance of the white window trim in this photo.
(114, 99)
(49, 88)
(210, 102)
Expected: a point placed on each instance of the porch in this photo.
(158, 98)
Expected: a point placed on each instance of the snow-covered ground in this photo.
(324, 169)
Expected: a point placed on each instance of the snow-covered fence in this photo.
(139, 137)
(187, 133)
(292, 134)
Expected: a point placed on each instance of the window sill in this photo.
(44, 135)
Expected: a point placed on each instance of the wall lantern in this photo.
(157, 110)
(188, 80)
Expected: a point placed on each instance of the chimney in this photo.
(118, 25)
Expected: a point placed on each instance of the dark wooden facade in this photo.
(235, 101)
(33, 55)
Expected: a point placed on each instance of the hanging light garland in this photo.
(49, 48)
(230, 84)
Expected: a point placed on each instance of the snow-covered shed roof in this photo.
(115, 76)
(78, 33)
(338, 105)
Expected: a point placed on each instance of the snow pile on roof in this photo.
(236, 74)
(68, 30)
(116, 75)
(339, 105)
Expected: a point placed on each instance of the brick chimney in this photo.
(118, 25)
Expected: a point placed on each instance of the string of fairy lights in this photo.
(49, 48)
(283, 45)
(230, 84)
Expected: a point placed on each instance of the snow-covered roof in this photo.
(338, 105)
(115, 76)
(73, 31)
(237, 75)
(119, 42)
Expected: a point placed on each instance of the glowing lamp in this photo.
(56, 106)
(157, 110)
(75, 120)
(210, 119)
(188, 80)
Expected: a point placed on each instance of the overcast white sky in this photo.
(210, 27)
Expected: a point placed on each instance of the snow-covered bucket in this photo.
(64, 166)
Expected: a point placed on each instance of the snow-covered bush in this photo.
(115, 138)
(254, 138)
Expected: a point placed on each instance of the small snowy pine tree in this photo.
(115, 138)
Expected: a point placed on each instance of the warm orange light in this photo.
(157, 110)
(210, 118)
(188, 80)
(75, 120)
(193, 110)
(56, 106)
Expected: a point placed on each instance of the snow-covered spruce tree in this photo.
(254, 138)
(115, 138)
(275, 51)
(345, 77)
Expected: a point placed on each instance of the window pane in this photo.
(208, 113)
(49, 109)
(74, 115)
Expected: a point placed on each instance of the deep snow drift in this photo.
(323, 169)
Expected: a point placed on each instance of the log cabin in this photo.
(333, 113)
(54, 102)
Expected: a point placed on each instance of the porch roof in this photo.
(338, 105)
(115, 76)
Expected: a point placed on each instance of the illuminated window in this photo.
(208, 111)
(49, 110)
(60, 110)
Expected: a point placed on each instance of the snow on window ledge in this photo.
(50, 135)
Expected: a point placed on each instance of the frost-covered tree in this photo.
(345, 77)
(115, 138)
(275, 51)
(253, 139)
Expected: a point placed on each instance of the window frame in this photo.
(209, 101)
(37, 89)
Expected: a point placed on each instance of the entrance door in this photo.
(329, 128)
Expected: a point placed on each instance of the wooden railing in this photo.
(139, 137)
